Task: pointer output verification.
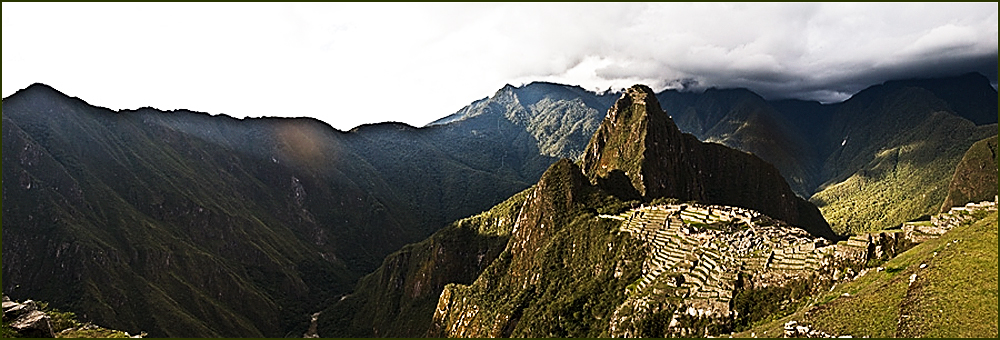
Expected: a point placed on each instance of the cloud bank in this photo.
(350, 64)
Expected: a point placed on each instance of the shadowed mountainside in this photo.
(975, 178)
(637, 137)
(184, 224)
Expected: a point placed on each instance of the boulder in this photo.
(35, 324)
(14, 310)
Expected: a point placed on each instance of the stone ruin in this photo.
(696, 253)
(941, 223)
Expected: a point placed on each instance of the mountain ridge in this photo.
(638, 137)
(114, 181)
(291, 177)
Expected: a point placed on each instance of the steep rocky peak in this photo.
(625, 108)
(638, 138)
(633, 125)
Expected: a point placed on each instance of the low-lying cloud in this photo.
(420, 62)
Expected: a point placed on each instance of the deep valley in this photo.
(544, 210)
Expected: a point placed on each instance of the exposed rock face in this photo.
(34, 325)
(637, 137)
(26, 319)
(975, 178)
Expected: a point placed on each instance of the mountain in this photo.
(184, 224)
(638, 137)
(581, 263)
(574, 268)
(872, 162)
(558, 118)
(891, 149)
(975, 178)
(399, 298)
(741, 119)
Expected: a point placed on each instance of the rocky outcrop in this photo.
(26, 319)
(975, 177)
(793, 329)
(640, 139)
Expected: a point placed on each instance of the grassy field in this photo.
(953, 295)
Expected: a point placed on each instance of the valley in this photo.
(543, 210)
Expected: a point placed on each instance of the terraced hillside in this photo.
(704, 246)
(703, 262)
(700, 256)
(944, 287)
(700, 270)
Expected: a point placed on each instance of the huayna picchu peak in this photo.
(640, 139)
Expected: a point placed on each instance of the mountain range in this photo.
(186, 224)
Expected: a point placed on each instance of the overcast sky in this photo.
(350, 64)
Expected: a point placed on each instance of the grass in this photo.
(954, 295)
(65, 325)
(957, 296)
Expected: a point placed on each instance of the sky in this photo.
(356, 63)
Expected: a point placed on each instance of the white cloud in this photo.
(419, 62)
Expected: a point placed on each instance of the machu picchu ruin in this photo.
(699, 256)
(698, 252)
(943, 222)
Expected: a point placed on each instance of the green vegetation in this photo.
(399, 298)
(975, 177)
(559, 280)
(66, 325)
(896, 167)
(212, 226)
(183, 224)
(742, 120)
(953, 295)
(761, 305)
(6, 331)
(656, 325)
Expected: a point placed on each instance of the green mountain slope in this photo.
(843, 156)
(791, 117)
(945, 287)
(558, 119)
(741, 119)
(892, 150)
(397, 300)
(184, 224)
(556, 276)
(975, 178)
(129, 230)
(569, 272)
